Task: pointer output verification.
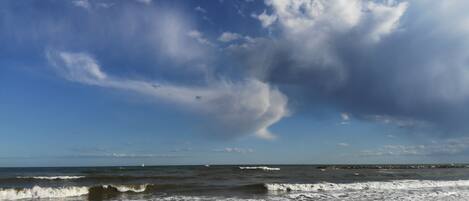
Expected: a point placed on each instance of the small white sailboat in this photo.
(143, 164)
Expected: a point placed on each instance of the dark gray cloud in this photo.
(406, 62)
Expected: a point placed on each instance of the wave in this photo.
(38, 192)
(42, 192)
(259, 168)
(52, 177)
(389, 185)
(128, 188)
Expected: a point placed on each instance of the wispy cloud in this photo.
(401, 122)
(451, 146)
(199, 37)
(235, 150)
(82, 3)
(234, 109)
(200, 9)
(345, 118)
(147, 2)
(343, 144)
(126, 155)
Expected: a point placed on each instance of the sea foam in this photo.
(259, 168)
(387, 185)
(52, 177)
(38, 192)
(130, 188)
(42, 192)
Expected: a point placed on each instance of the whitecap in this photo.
(51, 177)
(42, 192)
(128, 188)
(375, 185)
(259, 168)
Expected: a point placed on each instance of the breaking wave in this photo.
(419, 189)
(38, 192)
(128, 188)
(52, 177)
(388, 185)
(259, 168)
(42, 192)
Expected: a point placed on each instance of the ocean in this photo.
(238, 182)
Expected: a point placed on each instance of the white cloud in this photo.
(343, 144)
(228, 36)
(396, 121)
(173, 37)
(199, 37)
(332, 16)
(385, 18)
(105, 5)
(144, 1)
(450, 146)
(302, 15)
(82, 3)
(235, 150)
(233, 109)
(127, 155)
(344, 116)
(77, 66)
(200, 9)
(266, 20)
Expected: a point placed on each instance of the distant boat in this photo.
(143, 164)
(207, 165)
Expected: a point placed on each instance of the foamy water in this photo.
(51, 177)
(419, 190)
(42, 192)
(259, 168)
(124, 188)
(38, 192)
(390, 185)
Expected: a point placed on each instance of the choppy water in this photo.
(241, 182)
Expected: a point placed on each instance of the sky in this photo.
(100, 82)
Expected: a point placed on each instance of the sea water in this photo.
(238, 182)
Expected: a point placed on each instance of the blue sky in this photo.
(223, 82)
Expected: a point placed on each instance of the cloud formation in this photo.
(233, 109)
(452, 146)
(228, 36)
(235, 150)
(401, 63)
(396, 60)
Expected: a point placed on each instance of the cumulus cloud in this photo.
(265, 19)
(228, 36)
(401, 61)
(233, 109)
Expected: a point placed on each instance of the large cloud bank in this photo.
(403, 61)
